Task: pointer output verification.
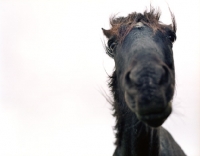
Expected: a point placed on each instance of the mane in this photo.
(121, 26)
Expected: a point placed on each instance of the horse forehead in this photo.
(139, 38)
(140, 43)
(139, 31)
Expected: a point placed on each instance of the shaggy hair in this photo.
(121, 26)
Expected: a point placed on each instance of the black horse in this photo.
(142, 83)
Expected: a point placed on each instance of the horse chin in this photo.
(155, 119)
(151, 114)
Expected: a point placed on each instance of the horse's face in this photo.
(145, 72)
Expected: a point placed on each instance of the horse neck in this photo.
(133, 137)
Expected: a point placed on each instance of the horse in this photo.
(142, 83)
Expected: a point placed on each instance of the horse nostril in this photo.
(131, 79)
(128, 80)
(147, 76)
(165, 76)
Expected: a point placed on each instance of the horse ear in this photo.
(107, 33)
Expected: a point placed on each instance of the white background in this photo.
(53, 74)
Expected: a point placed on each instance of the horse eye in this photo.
(171, 38)
(110, 49)
(112, 46)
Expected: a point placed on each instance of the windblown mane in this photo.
(121, 26)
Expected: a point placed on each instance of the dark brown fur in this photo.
(121, 26)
